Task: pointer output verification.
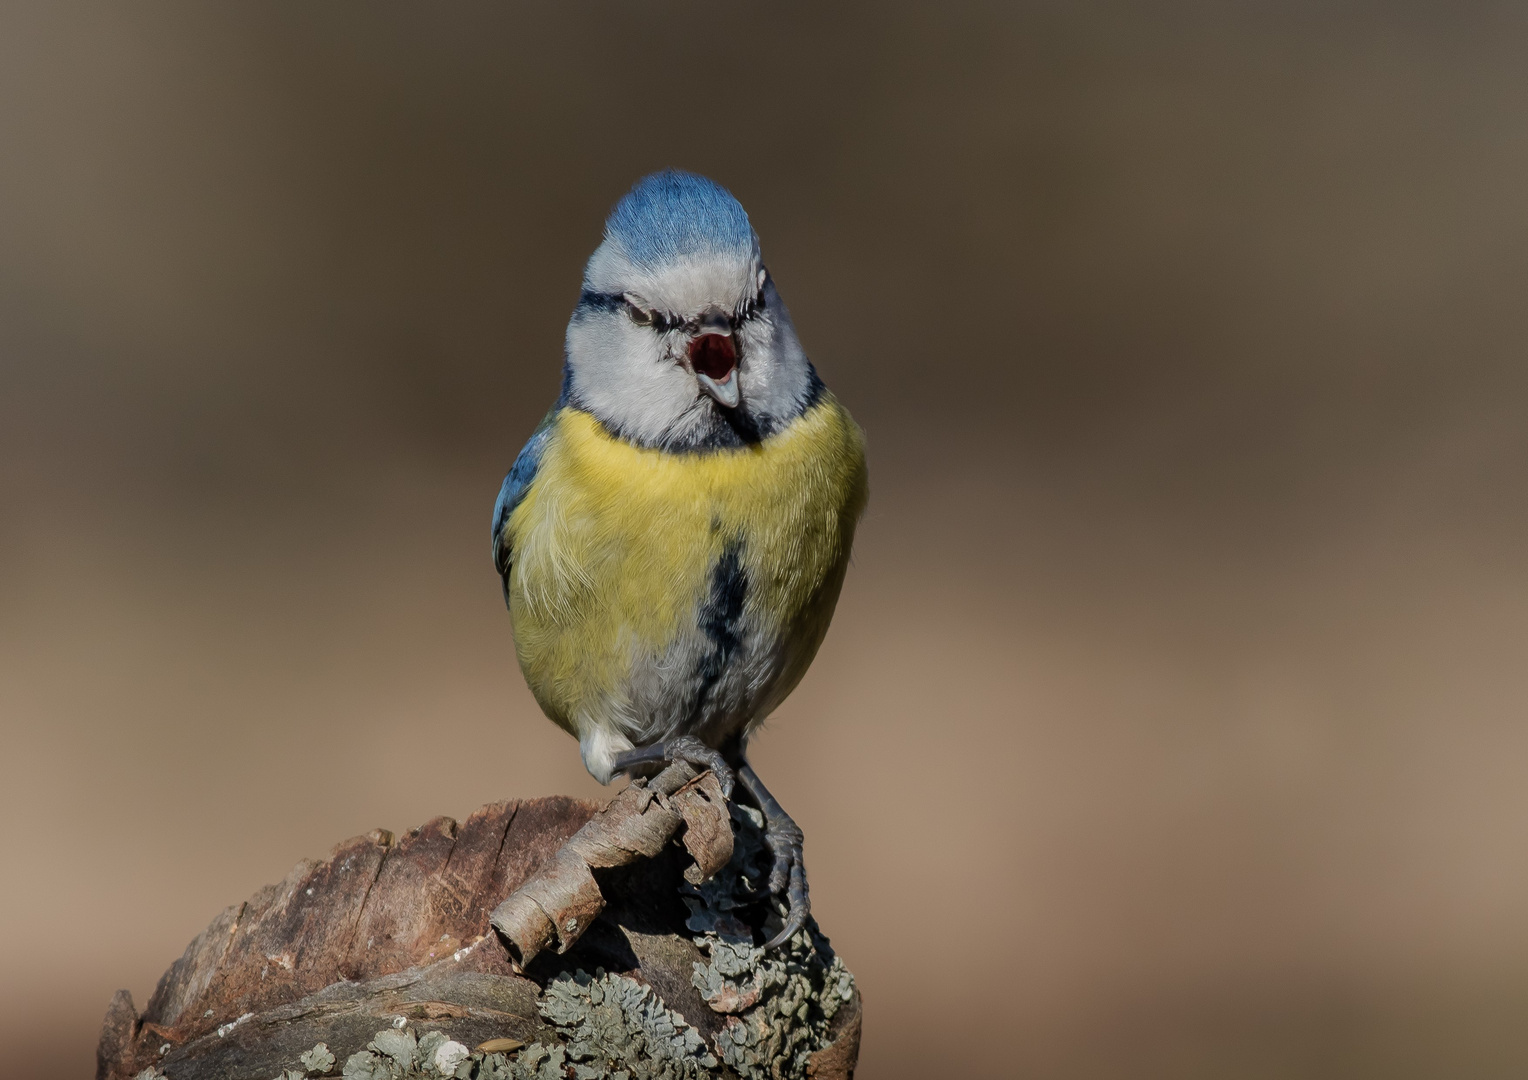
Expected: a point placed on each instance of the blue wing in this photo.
(516, 484)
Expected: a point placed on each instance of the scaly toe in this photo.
(800, 906)
(788, 876)
(689, 749)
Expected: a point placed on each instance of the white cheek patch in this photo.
(775, 374)
(623, 374)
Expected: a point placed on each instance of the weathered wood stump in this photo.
(380, 962)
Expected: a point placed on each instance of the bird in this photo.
(673, 537)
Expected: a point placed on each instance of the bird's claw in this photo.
(788, 876)
(692, 751)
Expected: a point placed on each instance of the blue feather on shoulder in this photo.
(512, 492)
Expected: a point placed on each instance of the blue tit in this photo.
(673, 537)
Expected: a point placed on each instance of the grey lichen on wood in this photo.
(617, 1027)
(780, 1004)
(379, 964)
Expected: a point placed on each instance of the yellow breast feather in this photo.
(615, 546)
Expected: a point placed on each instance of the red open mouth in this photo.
(714, 356)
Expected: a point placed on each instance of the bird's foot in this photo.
(787, 878)
(686, 748)
(784, 839)
(689, 749)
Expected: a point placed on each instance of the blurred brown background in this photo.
(1172, 721)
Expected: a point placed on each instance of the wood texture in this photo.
(387, 931)
(562, 899)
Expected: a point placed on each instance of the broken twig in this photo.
(562, 899)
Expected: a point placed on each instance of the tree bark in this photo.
(652, 903)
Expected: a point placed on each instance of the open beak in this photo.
(713, 359)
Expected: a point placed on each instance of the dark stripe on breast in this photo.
(721, 619)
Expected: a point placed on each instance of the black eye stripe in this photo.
(661, 322)
(600, 301)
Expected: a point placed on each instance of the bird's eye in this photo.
(640, 316)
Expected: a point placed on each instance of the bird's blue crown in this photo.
(672, 214)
